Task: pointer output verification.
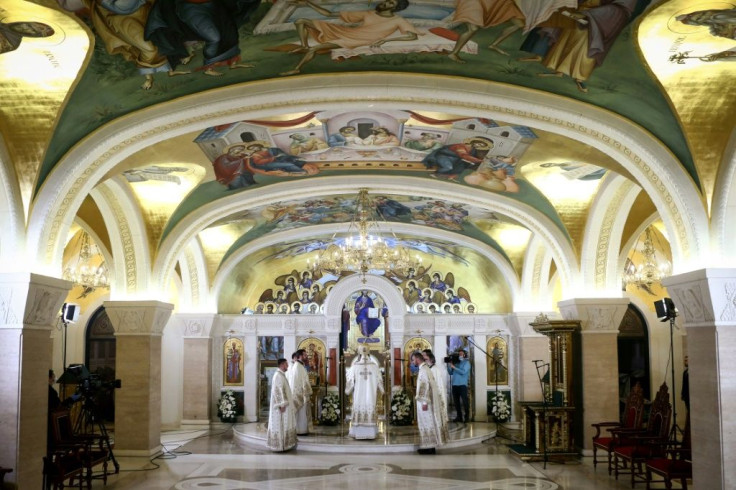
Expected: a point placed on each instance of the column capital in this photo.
(138, 317)
(596, 315)
(705, 297)
(518, 323)
(195, 325)
(31, 300)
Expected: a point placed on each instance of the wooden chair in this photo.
(632, 448)
(631, 419)
(61, 465)
(676, 465)
(92, 448)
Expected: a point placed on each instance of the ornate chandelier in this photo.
(651, 270)
(365, 248)
(90, 270)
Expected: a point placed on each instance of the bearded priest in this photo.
(433, 430)
(281, 419)
(363, 380)
(301, 393)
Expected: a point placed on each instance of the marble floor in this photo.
(213, 460)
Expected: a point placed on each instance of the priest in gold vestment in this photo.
(281, 419)
(363, 381)
(301, 392)
(433, 430)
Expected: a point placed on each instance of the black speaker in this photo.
(665, 308)
(70, 312)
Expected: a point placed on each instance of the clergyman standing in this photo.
(301, 393)
(432, 428)
(281, 418)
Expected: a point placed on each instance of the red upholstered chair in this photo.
(676, 465)
(631, 419)
(632, 448)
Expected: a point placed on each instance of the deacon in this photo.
(281, 419)
(432, 427)
(440, 377)
(301, 392)
(363, 379)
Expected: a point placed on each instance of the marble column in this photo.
(138, 326)
(532, 345)
(196, 367)
(599, 319)
(706, 300)
(29, 307)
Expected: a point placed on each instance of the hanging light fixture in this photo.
(90, 270)
(651, 270)
(365, 247)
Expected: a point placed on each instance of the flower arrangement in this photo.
(501, 410)
(226, 406)
(330, 413)
(400, 408)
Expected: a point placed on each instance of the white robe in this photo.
(363, 379)
(301, 394)
(433, 430)
(441, 378)
(281, 425)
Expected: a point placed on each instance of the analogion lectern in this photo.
(548, 425)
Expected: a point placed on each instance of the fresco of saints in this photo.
(233, 362)
(273, 161)
(364, 28)
(362, 308)
(12, 33)
(303, 144)
(230, 169)
(450, 160)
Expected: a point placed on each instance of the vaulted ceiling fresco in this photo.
(257, 196)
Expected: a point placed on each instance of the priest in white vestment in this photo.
(363, 380)
(433, 430)
(441, 378)
(301, 393)
(281, 434)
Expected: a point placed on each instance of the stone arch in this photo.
(505, 269)
(379, 285)
(724, 207)
(611, 207)
(650, 163)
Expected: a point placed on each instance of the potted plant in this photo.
(400, 408)
(330, 413)
(501, 409)
(226, 407)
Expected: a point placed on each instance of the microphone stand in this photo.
(675, 428)
(540, 365)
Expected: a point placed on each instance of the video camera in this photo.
(88, 384)
(453, 358)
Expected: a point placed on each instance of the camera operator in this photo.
(459, 371)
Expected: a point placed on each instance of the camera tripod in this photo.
(91, 423)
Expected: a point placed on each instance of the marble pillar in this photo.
(532, 345)
(599, 320)
(196, 367)
(706, 300)
(29, 307)
(138, 327)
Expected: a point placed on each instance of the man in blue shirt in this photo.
(459, 374)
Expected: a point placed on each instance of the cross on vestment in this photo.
(365, 373)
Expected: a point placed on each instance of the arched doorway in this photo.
(99, 357)
(633, 353)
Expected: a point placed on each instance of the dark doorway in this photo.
(633, 354)
(99, 358)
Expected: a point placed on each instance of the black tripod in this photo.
(540, 365)
(90, 422)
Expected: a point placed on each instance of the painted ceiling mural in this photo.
(666, 65)
(144, 53)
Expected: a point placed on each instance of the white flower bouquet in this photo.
(501, 409)
(227, 407)
(400, 408)
(330, 413)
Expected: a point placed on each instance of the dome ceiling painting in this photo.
(213, 148)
